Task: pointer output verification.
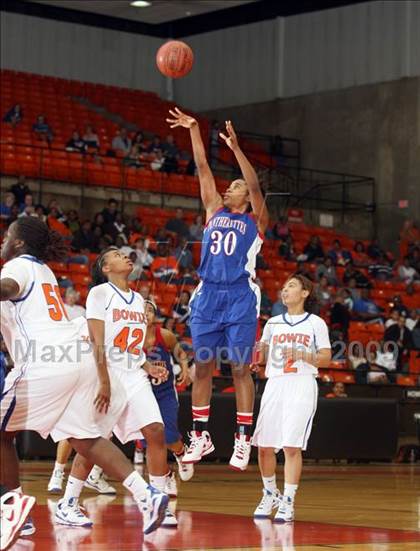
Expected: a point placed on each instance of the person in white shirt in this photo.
(395, 316)
(406, 272)
(412, 319)
(73, 309)
(293, 345)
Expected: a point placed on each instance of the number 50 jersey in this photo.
(125, 324)
(231, 242)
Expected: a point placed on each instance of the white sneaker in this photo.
(268, 503)
(185, 470)
(153, 507)
(241, 452)
(28, 527)
(286, 510)
(55, 485)
(14, 509)
(71, 514)
(99, 484)
(169, 520)
(200, 445)
(171, 487)
(138, 458)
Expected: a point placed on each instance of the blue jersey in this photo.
(231, 242)
(159, 352)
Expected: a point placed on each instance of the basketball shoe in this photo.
(153, 507)
(268, 503)
(171, 487)
(14, 509)
(286, 510)
(169, 520)
(55, 485)
(241, 452)
(185, 470)
(71, 514)
(200, 445)
(96, 481)
(28, 527)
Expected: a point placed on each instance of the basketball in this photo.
(175, 59)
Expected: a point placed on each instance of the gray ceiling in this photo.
(159, 12)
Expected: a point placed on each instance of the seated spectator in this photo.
(406, 272)
(183, 254)
(357, 358)
(278, 307)
(353, 290)
(365, 309)
(340, 313)
(138, 140)
(181, 311)
(137, 272)
(399, 334)
(360, 257)
(14, 115)
(286, 250)
(83, 240)
(413, 319)
(158, 161)
(338, 391)
(40, 212)
(90, 138)
(381, 364)
(178, 225)
(109, 214)
(28, 207)
(186, 277)
(76, 143)
(42, 129)
(73, 309)
(171, 153)
(98, 221)
(398, 304)
(339, 256)
(312, 251)
(327, 269)
(374, 250)
(381, 269)
(395, 316)
(352, 273)
(143, 255)
(409, 237)
(196, 229)
(324, 292)
(300, 269)
(20, 189)
(6, 205)
(281, 228)
(73, 221)
(155, 145)
(119, 228)
(54, 222)
(14, 214)
(121, 143)
(133, 157)
(164, 265)
(414, 257)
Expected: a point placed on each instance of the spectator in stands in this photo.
(374, 250)
(413, 319)
(119, 228)
(360, 257)
(183, 254)
(91, 138)
(73, 309)
(358, 362)
(312, 251)
(324, 292)
(14, 115)
(300, 269)
(353, 290)
(73, 221)
(76, 143)
(339, 256)
(365, 309)
(278, 307)
(133, 157)
(196, 229)
(137, 272)
(281, 228)
(28, 207)
(178, 225)
(83, 240)
(164, 265)
(285, 249)
(20, 189)
(181, 311)
(6, 205)
(143, 255)
(121, 143)
(406, 272)
(382, 269)
(393, 319)
(40, 212)
(42, 129)
(414, 257)
(56, 223)
(399, 334)
(327, 269)
(158, 161)
(352, 273)
(398, 304)
(186, 277)
(155, 145)
(171, 153)
(409, 237)
(340, 314)
(109, 214)
(98, 221)
(337, 391)
(13, 214)
(266, 304)
(144, 290)
(382, 365)
(138, 140)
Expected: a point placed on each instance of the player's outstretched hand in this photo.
(180, 119)
(103, 397)
(255, 368)
(183, 377)
(230, 137)
(157, 372)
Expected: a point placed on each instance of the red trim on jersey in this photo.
(213, 215)
(254, 218)
(159, 338)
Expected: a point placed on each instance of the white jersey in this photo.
(125, 324)
(35, 325)
(305, 332)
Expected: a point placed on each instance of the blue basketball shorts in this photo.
(168, 405)
(223, 321)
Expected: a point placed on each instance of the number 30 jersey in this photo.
(231, 242)
(34, 325)
(125, 324)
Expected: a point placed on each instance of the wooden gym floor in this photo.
(348, 508)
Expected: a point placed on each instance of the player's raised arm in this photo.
(258, 204)
(211, 198)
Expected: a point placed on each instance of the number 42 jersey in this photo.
(125, 324)
(231, 242)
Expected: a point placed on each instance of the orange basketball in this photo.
(175, 59)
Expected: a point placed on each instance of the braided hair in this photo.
(39, 240)
(98, 276)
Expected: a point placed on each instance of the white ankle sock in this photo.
(158, 482)
(59, 466)
(270, 483)
(136, 485)
(290, 490)
(95, 473)
(74, 488)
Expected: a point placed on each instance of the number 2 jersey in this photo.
(125, 325)
(231, 242)
(35, 326)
